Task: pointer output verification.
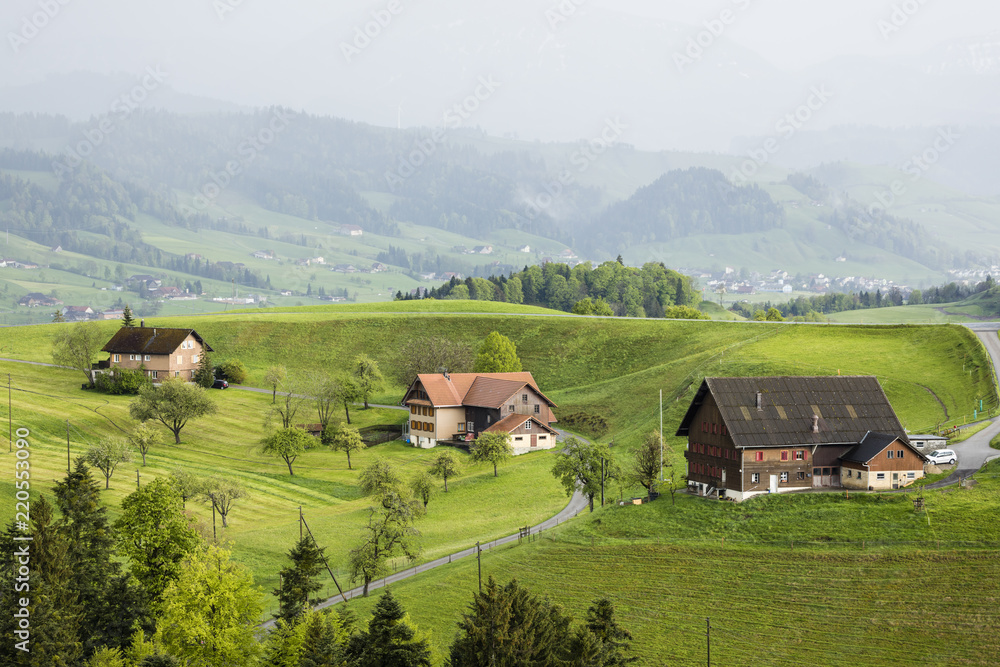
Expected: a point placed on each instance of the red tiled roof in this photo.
(150, 340)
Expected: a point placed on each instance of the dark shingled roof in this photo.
(150, 340)
(871, 446)
(848, 408)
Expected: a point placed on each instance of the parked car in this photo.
(220, 384)
(942, 456)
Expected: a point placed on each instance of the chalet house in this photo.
(150, 281)
(351, 230)
(78, 313)
(161, 352)
(35, 299)
(483, 249)
(881, 462)
(460, 406)
(748, 436)
(113, 314)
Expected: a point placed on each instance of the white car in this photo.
(942, 456)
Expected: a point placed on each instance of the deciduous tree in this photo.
(646, 462)
(379, 478)
(422, 486)
(579, 466)
(210, 613)
(492, 448)
(274, 378)
(367, 377)
(343, 438)
(389, 531)
(444, 466)
(498, 354)
(287, 444)
(155, 536)
(223, 493)
(76, 347)
(143, 438)
(173, 404)
(107, 455)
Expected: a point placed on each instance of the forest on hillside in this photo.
(608, 289)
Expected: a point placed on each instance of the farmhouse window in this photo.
(755, 478)
(180, 360)
(758, 456)
(131, 357)
(849, 473)
(510, 408)
(524, 398)
(527, 425)
(518, 438)
(538, 408)
(470, 427)
(461, 427)
(152, 374)
(715, 429)
(800, 475)
(889, 454)
(413, 425)
(194, 358)
(784, 455)
(911, 475)
(784, 477)
(177, 374)
(899, 453)
(800, 455)
(880, 475)
(724, 430)
(430, 412)
(118, 357)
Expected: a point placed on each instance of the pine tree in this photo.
(616, 641)
(390, 639)
(323, 641)
(299, 580)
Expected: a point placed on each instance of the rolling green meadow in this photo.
(813, 578)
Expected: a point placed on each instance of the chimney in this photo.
(815, 423)
(760, 402)
(142, 323)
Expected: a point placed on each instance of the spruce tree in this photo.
(299, 580)
(390, 640)
(127, 319)
(323, 641)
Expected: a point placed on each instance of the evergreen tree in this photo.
(615, 641)
(127, 319)
(58, 316)
(323, 641)
(390, 640)
(204, 375)
(299, 580)
(507, 625)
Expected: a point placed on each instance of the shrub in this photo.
(123, 381)
(233, 370)
(584, 422)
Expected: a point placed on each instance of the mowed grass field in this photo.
(605, 367)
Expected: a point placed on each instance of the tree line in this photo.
(609, 289)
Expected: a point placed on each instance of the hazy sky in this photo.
(105, 35)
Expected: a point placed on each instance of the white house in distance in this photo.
(351, 230)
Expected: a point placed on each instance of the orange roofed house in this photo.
(460, 406)
(162, 352)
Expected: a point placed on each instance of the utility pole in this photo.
(67, 446)
(479, 560)
(602, 481)
(661, 435)
(302, 521)
(214, 537)
(10, 419)
(136, 479)
(708, 639)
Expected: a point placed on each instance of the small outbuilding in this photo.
(881, 462)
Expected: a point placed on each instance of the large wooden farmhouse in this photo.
(748, 436)
(460, 406)
(161, 352)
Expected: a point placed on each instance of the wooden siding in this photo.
(164, 365)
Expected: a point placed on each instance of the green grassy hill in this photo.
(611, 368)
